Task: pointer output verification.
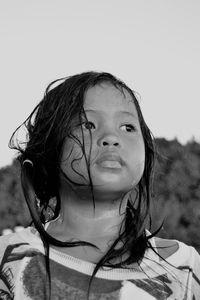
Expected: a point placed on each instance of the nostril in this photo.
(108, 144)
(109, 140)
(105, 143)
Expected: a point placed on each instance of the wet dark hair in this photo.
(47, 127)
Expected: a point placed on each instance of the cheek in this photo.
(73, 162)
(137, 171)
(136, 156)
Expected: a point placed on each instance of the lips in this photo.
(110, 160)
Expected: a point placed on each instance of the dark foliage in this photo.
(177, 191)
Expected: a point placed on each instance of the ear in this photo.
(48, 210)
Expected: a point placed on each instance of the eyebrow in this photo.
(129, 113)
(120, 112)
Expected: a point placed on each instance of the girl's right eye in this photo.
(88, 125)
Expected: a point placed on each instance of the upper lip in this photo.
(110, 157)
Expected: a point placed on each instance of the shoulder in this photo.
(165, 248)
(16, 252)
(8, 239)
(12, 240)
(19, 240)
(176, 252)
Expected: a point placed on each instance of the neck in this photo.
(98, 222)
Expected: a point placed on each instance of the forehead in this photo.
(106, 97)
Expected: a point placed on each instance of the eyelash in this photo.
(85, 124)
(130, 126)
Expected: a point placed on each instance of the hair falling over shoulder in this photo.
(47, 127)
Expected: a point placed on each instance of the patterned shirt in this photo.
(23, 274)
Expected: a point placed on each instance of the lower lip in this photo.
(110, 164)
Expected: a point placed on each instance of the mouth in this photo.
(110, 160)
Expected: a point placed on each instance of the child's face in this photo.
(117, 150)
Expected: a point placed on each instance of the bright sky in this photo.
(154, 46)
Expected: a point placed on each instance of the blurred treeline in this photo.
(176, 193)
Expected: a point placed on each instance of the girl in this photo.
(86, 172)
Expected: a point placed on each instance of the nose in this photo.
(109, 140)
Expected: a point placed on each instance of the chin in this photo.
(114, 180)
(112, 186)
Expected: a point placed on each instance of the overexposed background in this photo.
(153, 45)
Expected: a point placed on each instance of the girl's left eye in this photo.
(128, 127)
(88, 125)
